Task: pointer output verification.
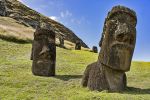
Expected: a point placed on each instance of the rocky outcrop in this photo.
(29, 17)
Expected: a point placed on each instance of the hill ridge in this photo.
(30, 17)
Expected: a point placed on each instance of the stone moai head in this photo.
(94, 49)
(118, 38)
(44, 51)
(78, 45)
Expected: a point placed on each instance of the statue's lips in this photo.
(122, 45)
(43, 61)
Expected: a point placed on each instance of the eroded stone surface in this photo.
(117, 47)
(43, 51)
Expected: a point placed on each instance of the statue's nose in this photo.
(44, 50)
(122, 34)
(122, 29)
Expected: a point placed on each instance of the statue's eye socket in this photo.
(126, 38)
(120, 37)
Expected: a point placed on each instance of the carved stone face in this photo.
(118, 41)
(44, 52)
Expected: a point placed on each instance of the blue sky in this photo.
(86, 18)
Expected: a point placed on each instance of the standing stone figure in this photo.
(78, 45)
(43, 52)
(2, 8)
(61, 40)
(117, 47)
(94, 49)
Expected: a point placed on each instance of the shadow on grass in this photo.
(133, 90)
(67, 77)
(15, 39)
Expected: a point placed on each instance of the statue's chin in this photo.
(43, 62)
(120, 58)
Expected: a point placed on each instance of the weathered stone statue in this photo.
(117, 47)
(43, 51)
(94, 49)
(2, 8)
(78, 45)
(61, 40)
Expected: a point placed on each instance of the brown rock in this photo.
(117, 47)
(43, 52)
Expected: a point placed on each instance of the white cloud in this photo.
(62, 14)
(65, 14)
(54, 18)
(78, 21)
(23, 3)
(68, 13)
(72, 20)
(20, 0)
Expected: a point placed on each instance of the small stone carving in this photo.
(2, 8)
(61, 40)
(94, 49)
(117, 47)
(43, 51)
(78, 45)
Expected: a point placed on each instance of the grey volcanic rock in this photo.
(117, 47)
(43, 52)
(29, 17)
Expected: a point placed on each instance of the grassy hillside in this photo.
(18, 83)
(13, 30)
(32, 18)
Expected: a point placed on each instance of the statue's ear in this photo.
(101, 40)
(31, 57)
(103, 35)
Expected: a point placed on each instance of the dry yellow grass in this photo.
(10, 28)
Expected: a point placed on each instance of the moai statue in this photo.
(2, 8)
(61, 40)
(44, 51)
(94, 49)
(117, 47)
(78, 45)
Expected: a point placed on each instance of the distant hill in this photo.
(30, 19)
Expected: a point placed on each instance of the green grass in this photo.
(18, 83)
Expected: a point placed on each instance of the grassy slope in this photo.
(12, 30)
(18, 83)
